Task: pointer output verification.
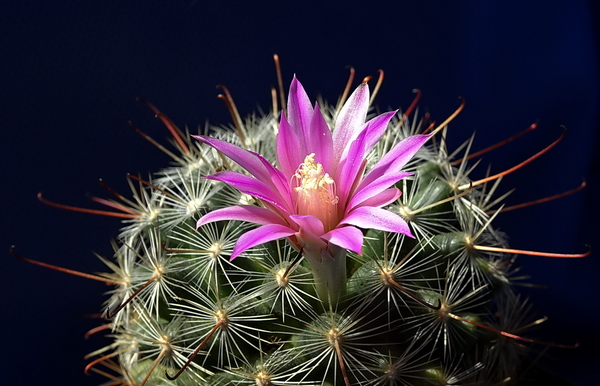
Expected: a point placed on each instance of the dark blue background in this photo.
(70, 72)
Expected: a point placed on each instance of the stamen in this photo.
(316, 192)
(65, 270)
(533, 126)
(377, 86)
(280, 83)
(542, 200)
(508, 171)
(233, 111)
(173, 129)
(84, 210)
(346, 91)
(533, 253)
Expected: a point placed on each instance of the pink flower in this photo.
(319, 196)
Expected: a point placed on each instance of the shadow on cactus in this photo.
(317, 245)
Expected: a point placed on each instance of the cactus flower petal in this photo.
(252, 187)
(396, 158)
(288, 156)
(259, 236)
(375, 188)
(246, 159)
(300, 113)
(309, 222)
(377, 218)
(347, 237)
(349, 122)
(249, 213)
(382, 199)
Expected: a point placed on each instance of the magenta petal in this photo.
(349, 167)
(310, 223)
(299, 112)
(253, 187)
(289, 156)
(350, 120)
(320, 141)
(345, 237)
(384, 198)
(396, 158)
(375, 188)
(255, 164)
(376, 127)
(351, 162)
(250, 213)
(376, 218)
(260, 235)
(279, 180)
(244, 158)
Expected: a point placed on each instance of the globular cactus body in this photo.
(437, 308)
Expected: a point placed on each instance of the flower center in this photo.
(316, 193)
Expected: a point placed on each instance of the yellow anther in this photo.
(316, 192)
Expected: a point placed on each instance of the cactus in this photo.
(425, 295)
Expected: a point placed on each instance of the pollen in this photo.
(316, 192)
(311, 175)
